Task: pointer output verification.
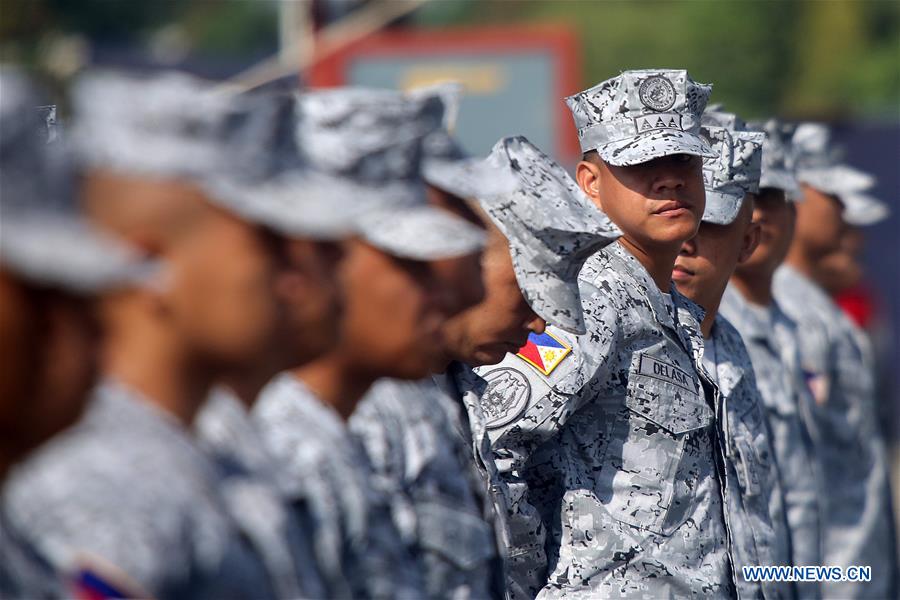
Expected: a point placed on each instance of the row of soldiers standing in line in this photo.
(340, 358)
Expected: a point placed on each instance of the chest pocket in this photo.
(460, 537)
(652, 447)
(751, 451)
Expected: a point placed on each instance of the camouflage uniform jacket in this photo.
(771, 338)
(128, 489)
(250, 487)
(613, 456)
(755, 501)
(858, 527)
(24, 573)
(418, 442)
(324, 468)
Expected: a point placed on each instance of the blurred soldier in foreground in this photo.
(411, 433)
(613, 440)
(52, 265)
(394, 308)
(127, 497)
(858, 524)
(772, 341)
(726, 237)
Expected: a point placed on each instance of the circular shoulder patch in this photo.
(657, 93)
(506, 396)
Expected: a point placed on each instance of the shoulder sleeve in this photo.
(529, 396)
(77, 513)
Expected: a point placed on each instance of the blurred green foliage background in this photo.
(816, 59)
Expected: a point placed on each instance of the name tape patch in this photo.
(646, 123)
(653, 367)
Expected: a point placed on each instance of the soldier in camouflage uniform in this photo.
(52, 265)
(771, 340)
(415, 436)
(613, 442)
(283, 191)
(858, 523)
(128, 496)
(754, 508)
(393, 311)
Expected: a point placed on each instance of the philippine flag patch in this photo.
(544, 352)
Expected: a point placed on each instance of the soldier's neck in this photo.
(801, 262)
(756, 288)
(155, 363)
(658, 261)
(336, 383)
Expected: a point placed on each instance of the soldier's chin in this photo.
(491, 354)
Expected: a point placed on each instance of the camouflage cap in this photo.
(157, 125)
(863, 210)
(552, 228)
(642, 115)
(819, 162)
(371, 141)
(733, 174)
(264, 178)
(44, 239)
(445, 165)
(716, 116)
(778, 159)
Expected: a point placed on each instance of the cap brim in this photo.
(782, 180)
(837, 179)
(551, 290)
(652, 145)
(721, 208)
(299, 205)
(862, 210)
(421, 233)
(68, 253)
(468, 177)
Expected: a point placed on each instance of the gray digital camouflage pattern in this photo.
(642, 115)
(863, 210)
(836, 360)
(418, 441)
(324, 467)
(24, 572)
(771, 338)
(552, 228)
(42, 237)
(612, 456)
(778, 163)
(733, 174)
(369, 143)
(129, 487)
(259, 507)
(818, 162)
(754, 501)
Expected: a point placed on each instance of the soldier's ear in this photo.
(751, 241)
(587, 174)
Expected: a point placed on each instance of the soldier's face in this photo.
(707, 260)
(842, 270)
(499, 324)
(49, 341)
(222, 290)
(820, 225)
(775, 217)
(310, 289)
(461, 277)
(392, 319)
(657, 204)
